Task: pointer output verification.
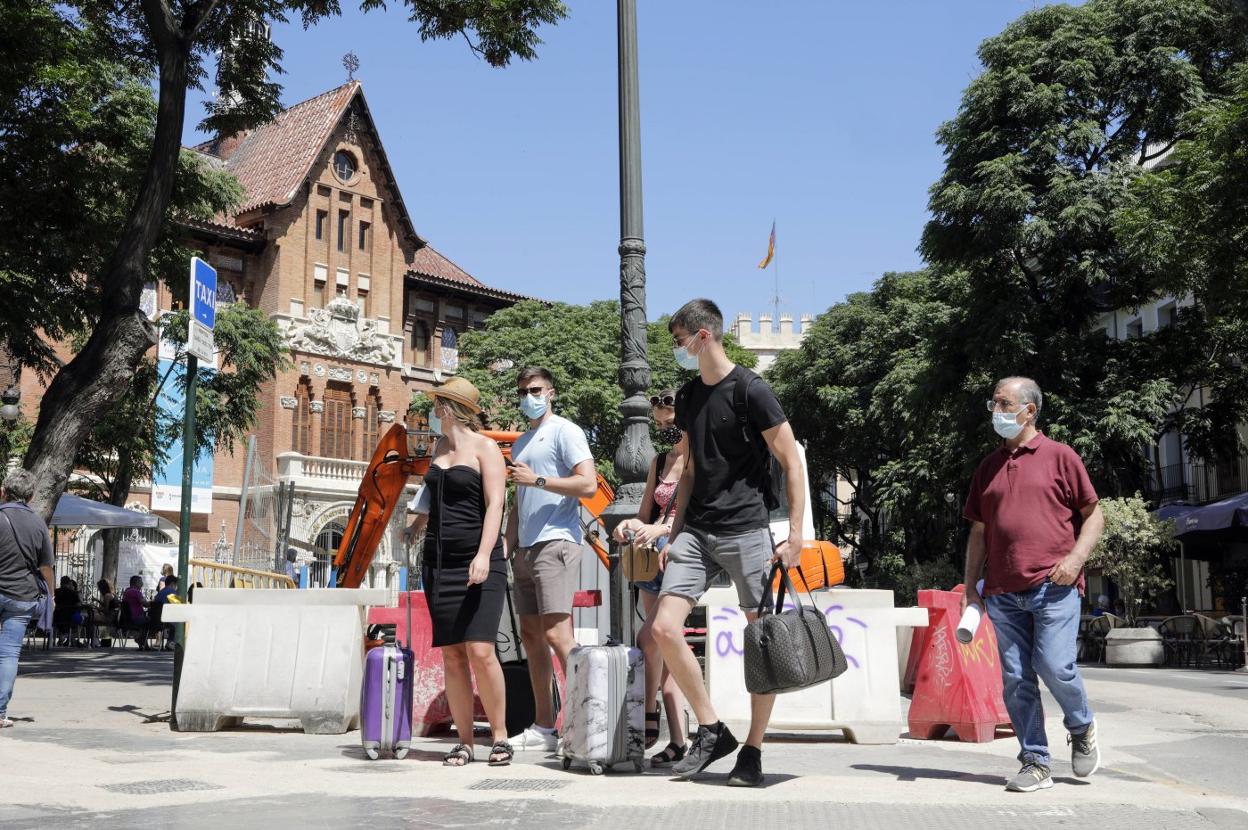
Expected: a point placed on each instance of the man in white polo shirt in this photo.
(553, 470)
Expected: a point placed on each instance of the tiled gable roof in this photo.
(273, 160)
(430, 263)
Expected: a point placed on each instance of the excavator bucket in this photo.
(395, 460)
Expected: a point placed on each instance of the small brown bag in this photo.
(641, 562)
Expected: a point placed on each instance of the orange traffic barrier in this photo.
(821, 567)
(957, 685)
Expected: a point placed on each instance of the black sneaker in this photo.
(711, 744)
(749, 769)
(1030, 778)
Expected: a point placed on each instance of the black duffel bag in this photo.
(789, 650)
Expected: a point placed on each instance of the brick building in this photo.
(324, 243)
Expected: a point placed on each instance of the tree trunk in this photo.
(90, 384)
(117, 494)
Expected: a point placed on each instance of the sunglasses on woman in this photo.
(665, 400)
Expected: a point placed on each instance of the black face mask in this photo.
(670, 435)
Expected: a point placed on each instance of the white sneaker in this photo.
(532, 739)
(5, 723)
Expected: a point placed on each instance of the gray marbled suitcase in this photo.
(604, 723)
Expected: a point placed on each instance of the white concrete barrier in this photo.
(864, 702)
(1134, 647)
(273, 653)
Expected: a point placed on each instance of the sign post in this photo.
(199, 346)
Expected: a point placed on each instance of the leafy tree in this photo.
(581, 347)
(1132, 551)
(1185, 229)
(1072, 102)
(134, 437)
(857, 393)
(14, 438)
(70, 92)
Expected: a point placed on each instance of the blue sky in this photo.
(820, 115)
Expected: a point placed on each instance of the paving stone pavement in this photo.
(91, 750)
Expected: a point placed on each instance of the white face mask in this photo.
(1006, 423)
(684, 359)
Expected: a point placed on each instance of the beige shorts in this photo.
(547, 576)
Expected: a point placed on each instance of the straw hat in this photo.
(459, 390)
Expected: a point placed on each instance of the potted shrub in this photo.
(1132, 552)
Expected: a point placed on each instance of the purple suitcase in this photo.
(386, 701)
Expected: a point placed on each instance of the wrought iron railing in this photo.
(1197, 482)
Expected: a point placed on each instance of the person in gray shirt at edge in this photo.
(25, 547)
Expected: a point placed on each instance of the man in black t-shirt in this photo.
(721, 521)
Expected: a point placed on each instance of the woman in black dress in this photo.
(464, 570)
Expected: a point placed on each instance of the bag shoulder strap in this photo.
(741, 408)
(740, 395)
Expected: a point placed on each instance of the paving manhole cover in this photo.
(526, 784)
(167, 785)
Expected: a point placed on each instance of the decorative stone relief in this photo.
(338, 331)
(317, 406)
(357, 412)
(319, 371)
(374, 379)
(305, 366)
(361, 376)
(336, 373)
(289, 403)
(385, 417)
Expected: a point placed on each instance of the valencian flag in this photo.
(771, 247)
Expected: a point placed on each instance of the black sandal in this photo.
(670, 755)
(460, 753)
(504, 749)
(652, 727)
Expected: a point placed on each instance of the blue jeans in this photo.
(15, 615)
(1036, 634)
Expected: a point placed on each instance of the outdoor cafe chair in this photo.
(1231, 641)
(34, 632)
(1183, 639)
(1098, 628)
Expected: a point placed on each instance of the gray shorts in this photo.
(697, 557)
(546, 576)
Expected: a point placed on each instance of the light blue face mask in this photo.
(1006, 424)
(685, 360)
(435, 423)
(533, 406)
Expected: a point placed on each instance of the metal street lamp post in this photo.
(632, 458)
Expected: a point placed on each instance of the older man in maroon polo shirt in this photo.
(1034, 520)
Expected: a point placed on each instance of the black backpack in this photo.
(752, 437)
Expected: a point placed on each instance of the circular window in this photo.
(344, 165)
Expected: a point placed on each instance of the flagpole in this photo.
(775, 270)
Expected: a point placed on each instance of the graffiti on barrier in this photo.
(733, 621)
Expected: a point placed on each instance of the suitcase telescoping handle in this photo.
(407, 590)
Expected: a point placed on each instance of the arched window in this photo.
(372, 406)
(327, 540)
(301, 434)
(420, 343)
(337, 428)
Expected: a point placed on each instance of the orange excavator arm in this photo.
(392, 464)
